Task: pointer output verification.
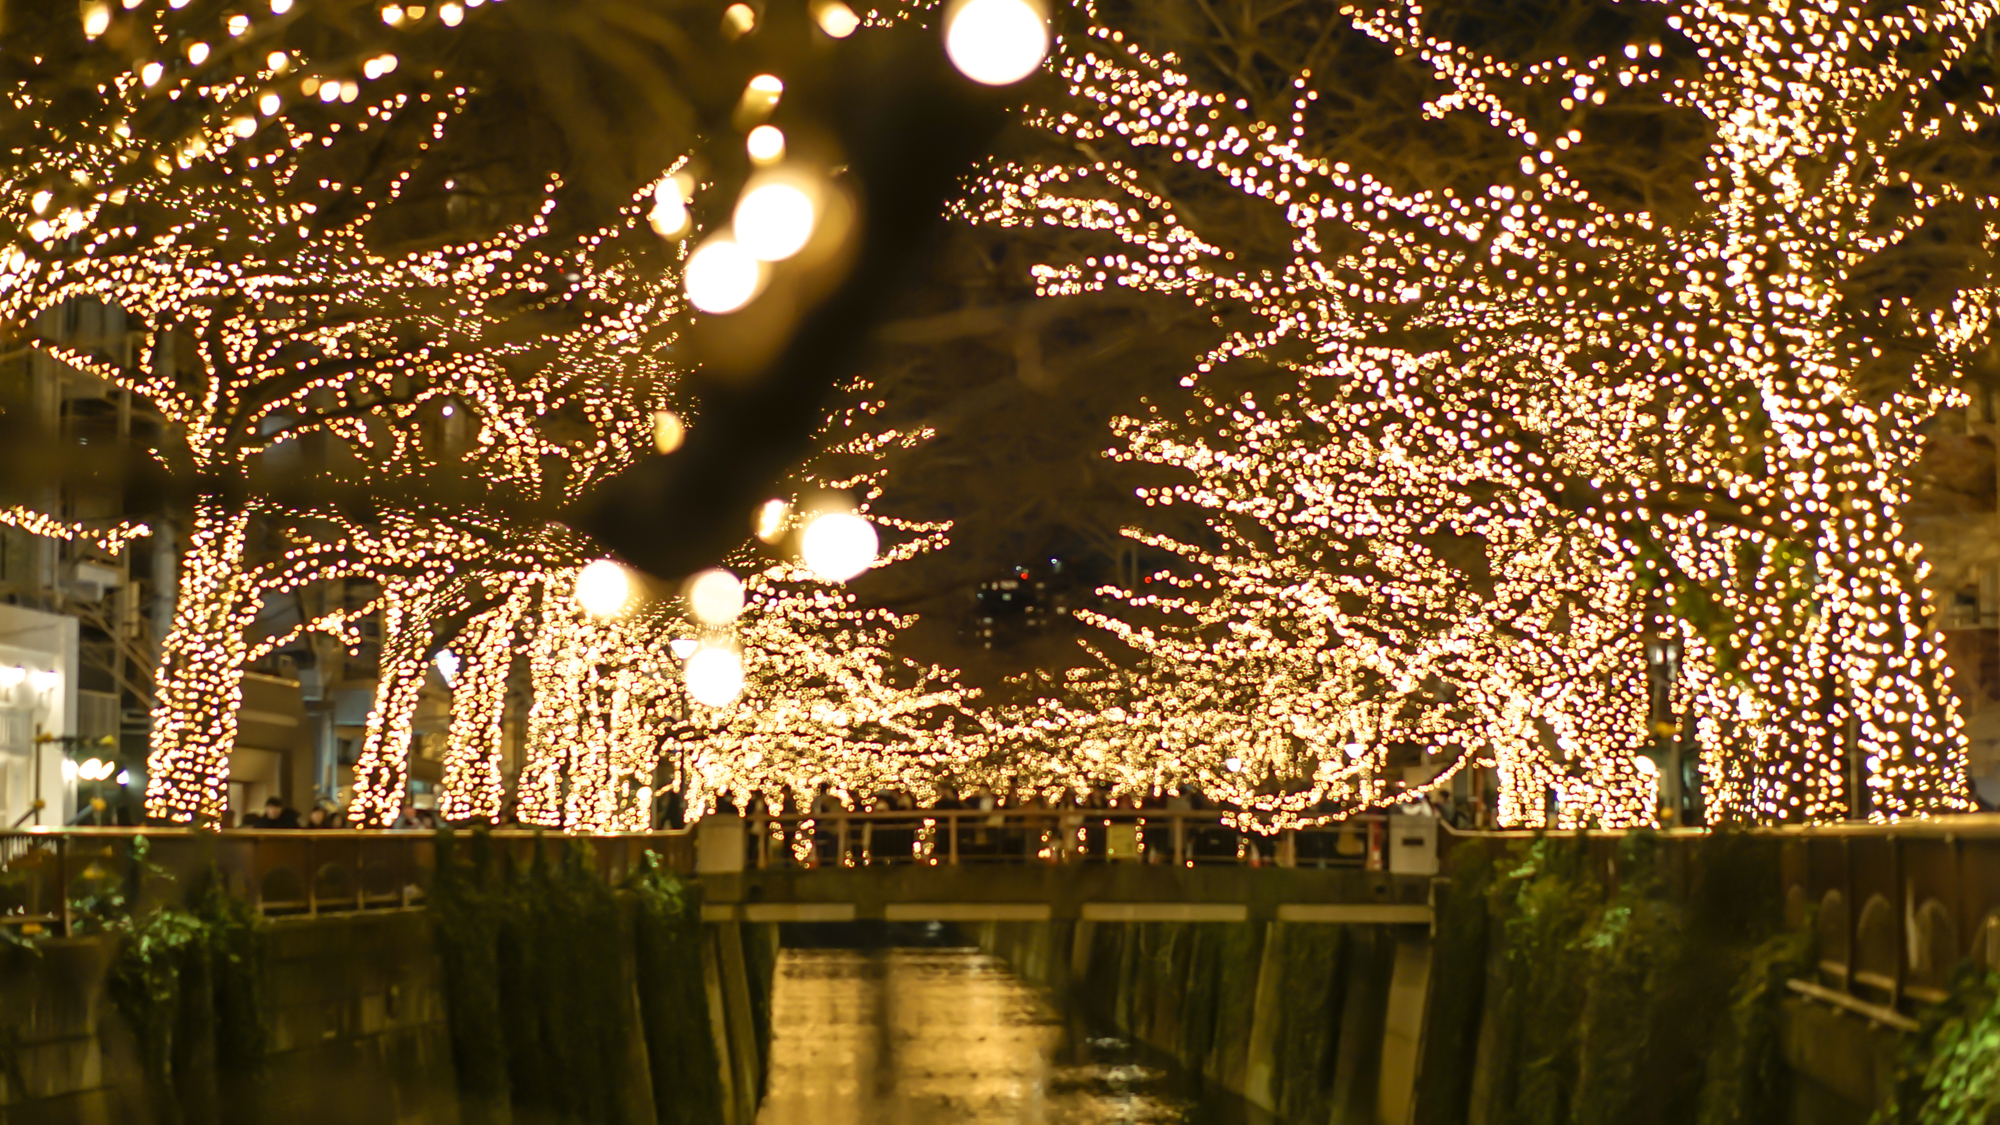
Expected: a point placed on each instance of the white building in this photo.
(38, 705)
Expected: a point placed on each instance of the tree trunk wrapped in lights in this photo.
(601, 694)
(1687, 314)
(474, 787)
(200, 682)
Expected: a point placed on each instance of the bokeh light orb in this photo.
(668, 431)
(715, 597)
(996, 42)
(722, 276)
(838, 20)
(774, 219)
(714, 676)
(605, 589)
(837, 546)
(765, 144)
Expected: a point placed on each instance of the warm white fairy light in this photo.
(1613, 415)
(715, 597)
(605, 589)
(262, 326)
(837, 546)
(996, 42)
(722, 276)
(714, 675)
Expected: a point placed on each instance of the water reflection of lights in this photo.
(942, 1037)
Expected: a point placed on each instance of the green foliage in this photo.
(463, 925)
(673, 999)
(1458, 990)
(1546, 900)
(542, 968)
(1747, 1082)
(1947, 1074)
(188, 982)
(1632, 947)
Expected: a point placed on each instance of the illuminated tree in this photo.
(1629, 291)
(297, 364)
(824, 698)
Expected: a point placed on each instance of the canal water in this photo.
(908, 1036)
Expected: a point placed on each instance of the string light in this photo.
(262, 323)
(1535, 422)
(996, 42)
(836, 546)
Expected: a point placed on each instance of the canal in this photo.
(942, 1036)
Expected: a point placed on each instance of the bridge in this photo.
(943, 865)
(1895, 906)
(1037, 865)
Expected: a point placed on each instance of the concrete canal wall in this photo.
(355, 1024)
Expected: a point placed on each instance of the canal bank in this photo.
(1567, 981)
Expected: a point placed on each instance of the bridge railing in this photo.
(1181, 837)
(51, 879)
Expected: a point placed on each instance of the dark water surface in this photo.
(949, 1037)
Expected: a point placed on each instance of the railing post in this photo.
(62, 881)
(312, 881)
(1180, 838)
(951, 829)
(841, 860)
(1903, 906)
(360, 884)
(256, 878)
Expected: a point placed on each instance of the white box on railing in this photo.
(1413, 844)
(719, 845)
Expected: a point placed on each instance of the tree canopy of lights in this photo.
(1544, 338)
(824, 700)
(295, 348)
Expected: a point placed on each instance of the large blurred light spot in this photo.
(683, 647)
(714, 676)
(715, 597)
(604, 589)
(738, 19)
(838, 545)
(774, 219)
(996, 42)
(668, 431)
(837, 19)
(771, 516)
(722, 276)
(766, 144)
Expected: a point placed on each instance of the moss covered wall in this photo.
(1568, 981)
(543, 997)
(1292, 1017)
(356, 1025)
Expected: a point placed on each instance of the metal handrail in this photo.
(282, 872)
(949, 837)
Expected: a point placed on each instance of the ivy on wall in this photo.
(188, 981)
(573, 1001)
(1949, 1072)
(673, 999)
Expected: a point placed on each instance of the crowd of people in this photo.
(1002, 825)
(326, 814)
(981, 825)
